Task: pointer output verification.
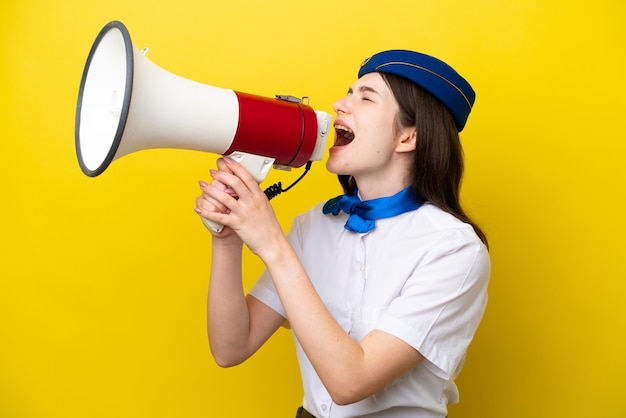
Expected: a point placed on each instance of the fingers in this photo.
(222, 165)
(242, 174)
(222, 195)
(213, 195)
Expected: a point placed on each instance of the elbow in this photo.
(342, 401)
(348, 388)
(225, 363)
(227, 354)
(226, 359)
(347, 393)
(346, 398)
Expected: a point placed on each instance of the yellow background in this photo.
(103, 280)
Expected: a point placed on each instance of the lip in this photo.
(342, 123)
(339, 122)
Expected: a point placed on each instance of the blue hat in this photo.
(432, 74)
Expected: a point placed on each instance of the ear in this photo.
(407, 140)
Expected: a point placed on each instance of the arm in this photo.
(350, 370)
(237, 326)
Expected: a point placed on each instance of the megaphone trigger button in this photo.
(235, 156)
(325, 126)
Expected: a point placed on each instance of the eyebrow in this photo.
(364, 89)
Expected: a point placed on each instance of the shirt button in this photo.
(324, 407)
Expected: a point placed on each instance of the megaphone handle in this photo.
(257, 165)
(213, 226)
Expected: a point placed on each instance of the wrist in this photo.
(227, 241)
(276, 248)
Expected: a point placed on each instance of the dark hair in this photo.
(437, 168)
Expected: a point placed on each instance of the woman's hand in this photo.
(235, 200)
(206, 204)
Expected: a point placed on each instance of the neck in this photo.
(385, 181)
(376, 189)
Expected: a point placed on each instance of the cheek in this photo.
(381, 141)
(382, 128)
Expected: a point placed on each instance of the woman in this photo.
(383, 287)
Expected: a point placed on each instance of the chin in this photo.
(332, 167)
(340, 163)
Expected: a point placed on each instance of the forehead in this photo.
(372, 81)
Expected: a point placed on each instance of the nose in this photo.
(341, 106)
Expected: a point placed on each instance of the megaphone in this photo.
(126, 103)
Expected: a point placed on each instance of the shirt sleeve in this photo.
(264, 291)
(442, 303)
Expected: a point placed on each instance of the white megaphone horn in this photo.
(126, 104)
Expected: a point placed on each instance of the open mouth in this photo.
(343, 135)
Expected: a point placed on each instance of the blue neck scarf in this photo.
(363, 214)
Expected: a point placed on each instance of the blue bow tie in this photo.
(363, 214)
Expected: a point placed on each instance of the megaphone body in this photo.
(126, 104)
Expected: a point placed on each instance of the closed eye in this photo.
(364, 90)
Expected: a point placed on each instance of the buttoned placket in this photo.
(359, 265)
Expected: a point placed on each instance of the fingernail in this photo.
(197, 210)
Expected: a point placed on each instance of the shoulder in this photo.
(439, 220)
(431, 235)
(455, 242)
(429, 223)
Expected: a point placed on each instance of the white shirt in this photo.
(421, 276)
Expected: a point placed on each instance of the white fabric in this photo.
(421, 276)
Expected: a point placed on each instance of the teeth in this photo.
(343, 128)
(344, 132)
